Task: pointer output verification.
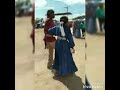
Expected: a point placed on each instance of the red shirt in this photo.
(48, 24)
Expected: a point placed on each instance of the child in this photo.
(64, 48)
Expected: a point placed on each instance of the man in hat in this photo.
(49, 39)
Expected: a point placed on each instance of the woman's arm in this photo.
(69, 37)
(54, 30)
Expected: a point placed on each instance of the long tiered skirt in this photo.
(63, 63)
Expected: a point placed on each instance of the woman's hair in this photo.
(50, 12)
(64, 19)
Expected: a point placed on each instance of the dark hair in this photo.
(50, 11)
(64, 19)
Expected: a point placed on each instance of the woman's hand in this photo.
(72, 50)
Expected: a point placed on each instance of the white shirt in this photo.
(62, 30)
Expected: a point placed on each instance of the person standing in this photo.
(82, 27)
(91, 26)
(32, 35)
(49, 39)
(100, 14)
(64, 47)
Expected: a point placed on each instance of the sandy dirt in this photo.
(95, 64)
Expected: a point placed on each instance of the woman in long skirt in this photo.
(64, 48)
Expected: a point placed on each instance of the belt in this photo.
(61, 38)
(48, 35)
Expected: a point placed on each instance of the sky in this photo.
(76, 7)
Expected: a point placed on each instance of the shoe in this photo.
(55, 72)
(49, 67)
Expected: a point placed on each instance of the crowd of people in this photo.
(95, 12)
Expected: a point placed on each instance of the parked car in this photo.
(39, 23)
(23, 9)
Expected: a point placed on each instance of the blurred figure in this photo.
(76, 29)
(82, 27)
(32, 35)
(73, 28)
(49, 39)
(91, 26)
(100, 13)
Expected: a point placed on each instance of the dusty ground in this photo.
(31, 72)
(95, 64)
(24, 62)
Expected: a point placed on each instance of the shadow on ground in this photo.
(72, 82)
